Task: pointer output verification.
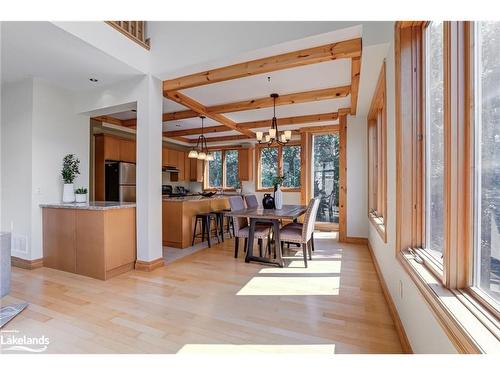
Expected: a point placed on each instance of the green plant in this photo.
(278, 180)
(70, 169)
(81, 191)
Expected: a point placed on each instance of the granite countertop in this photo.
(98, 206)
(190, 198)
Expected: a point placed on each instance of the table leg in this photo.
(277, 242)
(251, 234)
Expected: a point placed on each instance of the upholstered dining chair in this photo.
(242, 229)
(302, 234)
(251, 201)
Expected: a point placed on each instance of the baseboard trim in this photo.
(26, 263)
(356, 240)
(141, 265)
(405, 343)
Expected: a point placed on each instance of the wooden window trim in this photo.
(471, 324)
(377, 117)
(205, 172)
(258, 147)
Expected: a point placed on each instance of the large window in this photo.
(448, 173)
(377, 175)
(278, 161)
(222, 172)
(434, 140)
(487, 158)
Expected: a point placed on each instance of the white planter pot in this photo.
(68, 193)
(81, 198)
(278, 198)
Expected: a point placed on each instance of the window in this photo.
(487, 158)
(434, 140)
(326, 158)
(278, 161)
(448, 173)
(377, 174)
(222, 172)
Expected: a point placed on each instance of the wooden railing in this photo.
(134, 30)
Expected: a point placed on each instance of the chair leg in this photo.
(207, 226)
(309, 249)
(194, 232)
(217, 230)
(304, 250)
(259, 241)
(236, 246)
(288, 245)
(203, 229)
(246, 245)
(312, 241)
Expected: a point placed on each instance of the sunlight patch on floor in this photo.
(291, 286)
(243, 349)
(297, 266)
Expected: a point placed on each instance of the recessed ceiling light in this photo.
(134, 110)
(93, 79)
(178, 125)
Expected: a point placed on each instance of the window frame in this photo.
(472, 324)
(258, 148)
(206, 187)
(377, 157)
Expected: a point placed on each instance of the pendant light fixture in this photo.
(273, 135)
(200, 152)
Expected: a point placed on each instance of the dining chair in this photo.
(242, 229)
(251, 201)
(302, 234)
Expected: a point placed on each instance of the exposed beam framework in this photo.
(221, 139)
(202, 110)
(296, 120)
(267, 102)
(355, 72)
(345, 49)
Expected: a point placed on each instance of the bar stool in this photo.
(206, 220)
(221, 215)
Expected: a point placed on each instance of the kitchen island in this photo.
(179, 215)
(95, 239)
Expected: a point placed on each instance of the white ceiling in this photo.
(305, 78)
(43, 50)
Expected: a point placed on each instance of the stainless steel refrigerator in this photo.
(120, 181)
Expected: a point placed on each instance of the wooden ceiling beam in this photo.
(245, 105)
(202, 110)
(209, 129)
(315, 129)
(344, 49)
(221, 139)
(109, 120)
(296, 120)
(355, 72)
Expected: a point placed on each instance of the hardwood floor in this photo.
(211, 302)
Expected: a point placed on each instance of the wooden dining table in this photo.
(263, 215)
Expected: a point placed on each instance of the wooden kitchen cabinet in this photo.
(111, 148)
(172, 157)
(127, 150)
(245, 164)
(164, 156)
(196, 170)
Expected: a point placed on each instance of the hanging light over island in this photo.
(200, 151)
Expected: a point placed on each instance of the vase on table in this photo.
(278, 198)
(68, 193)
(268, 201)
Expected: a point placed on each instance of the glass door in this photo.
(325, 179)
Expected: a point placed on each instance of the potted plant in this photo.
(81, 195)
(237, 186)
(278, 194)
(70, 169)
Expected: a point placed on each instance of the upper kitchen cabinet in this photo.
(245, 164)
(110, 146)
(196, 170)
(127, 151)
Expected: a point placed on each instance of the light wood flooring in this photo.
(211, 302)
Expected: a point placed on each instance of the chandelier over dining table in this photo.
(200, 151)
(274, 135)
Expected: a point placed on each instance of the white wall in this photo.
(423, 331)
(357, 183)
(16, 157)
(39, 127)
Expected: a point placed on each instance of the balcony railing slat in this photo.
(134, 30)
